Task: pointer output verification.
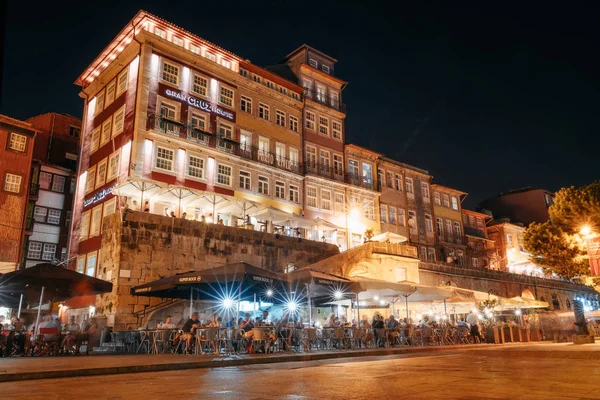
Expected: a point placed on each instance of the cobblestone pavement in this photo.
(446, 376)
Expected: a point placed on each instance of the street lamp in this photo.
(585, 231)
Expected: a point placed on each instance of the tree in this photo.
(556, 251)
(575, 207)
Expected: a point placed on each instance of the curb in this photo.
(569, 355)
(227, 362)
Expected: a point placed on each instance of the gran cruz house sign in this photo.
(200, 104)
(99, 196)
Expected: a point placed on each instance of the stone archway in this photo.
(364, 269)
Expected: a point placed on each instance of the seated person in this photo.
(189, 331)
(88, 333)
(168, 324)
(246, 326)
(214, 322)
(266, 321)
(393, 333)
(70, 339)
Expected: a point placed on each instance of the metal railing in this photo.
(324, 99)
(324, 170)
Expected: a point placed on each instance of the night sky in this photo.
(486, 99)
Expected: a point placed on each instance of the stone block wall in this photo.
(141, 247)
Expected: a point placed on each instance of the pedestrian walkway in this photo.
(590, 351)
(28, 368)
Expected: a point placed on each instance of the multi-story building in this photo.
(55, 155)
(511, 254)
(448, 224)
(523, 206)
(16, 150)
(481, 251)
(405, 204)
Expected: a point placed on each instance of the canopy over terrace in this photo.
(140, 188)
(518, 302)
(389, 237)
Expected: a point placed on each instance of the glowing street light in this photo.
(269, 292)
(376, 298)
(338, 295)
(227, 303)
(585, 230)
(292, 306)
(517, 312)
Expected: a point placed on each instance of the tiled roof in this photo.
(17, 123)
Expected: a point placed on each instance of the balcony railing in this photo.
(324, 170)
(196, 135)
(360, 181)
(475, 232)
(324, 99)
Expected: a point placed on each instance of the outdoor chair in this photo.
(403, 338)
(358, 338)
(261, 340)
(145, 341)
(381, 337)
(338, 338)
(227, 337)
(44, 346)
(461, 335)
(210, 337)
(309, 339)
(163, 340)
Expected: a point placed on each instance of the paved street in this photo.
(457, 375)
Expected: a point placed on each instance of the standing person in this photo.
(88, 333)
(393, 334)
(247, 325)
(189, 331)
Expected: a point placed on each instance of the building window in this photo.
(449, 229)
(269, 84)
(200, 86)
(335, 99)
(160, 32)
(293, 123)
(430, 254)
(338, 165)
(457, 230)
(280, 190)
(439, 223)
(454, 203)
(164, 159)
(324, 159)
(280, 118)
(367, 173)
(263, 111)
(40, 214)
(90, 180)
(370, 210)
(122, 82)
(409, 186)
(118, 121)
(177, 41)
(111, 89)
(95, 140)
(244, 180)
(17, 142)
(340, 202)
(321, 93)
(74, 131)
(401, 217)
(194, 49)
(383, 210)
(475, 262)
(380, 178)
(399, 182)
(226, 97)
(461, 257)
(509, 241)
(412, 222)
(425, 190)
(310, 120)
(224, 175)
(256, 78)
(479, 223)
(436, 199)
(225, 132)
(226, 63)
(336, 129)
(195, 167)
(170, 73)
(101, 174)
(99, 103)
(49, 252)
(53, 216)
(326, 200)
(246, 104)
(311, 156)
(199, 122)
(428, 223)
(283, 90)
(110, 207)
(390, 180)
(313, 63)
(393, 219)
(423, 253)
(34, 251)
(96, 221)
(294, 194)
(323, 125)
(263, 185)
(245, 141)
(243, 72)
(325, 68)
(446, 200)
(210, 56)
(311, 196)
(12, 183)
(45, 180)
(90, 268)
(471, 220)
(106, 131)
(113, 165)
(353, 169)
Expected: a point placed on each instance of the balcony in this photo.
(475, 232)
(324, 170)
(324, 99)
(199, 136)
(360, 181)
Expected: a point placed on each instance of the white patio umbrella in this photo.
(325, 225)
(134, 186)
(389, 237)
(180, 193)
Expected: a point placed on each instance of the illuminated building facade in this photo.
(511, 254)
(481, 251)
(448, 224)
(16, 150)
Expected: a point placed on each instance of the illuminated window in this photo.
(160, 32)
(118, 121)
(294, 194)
(226, 97)
(45, 180)
(311, 196)
(310, 121)
(34, 251)
(110, 92)
(226, 63)
(17, 142)
(101, 174)
(425, 190)
(409, 186)
(335, 99)
(90, 268)
(336, 129)
(313, 63)
(224, 175)
(279, 190)
(58, 183)
(210, 56)
(178, 41)
(293, 123)
(393, 219)
(353, 168)
(263, 111)
(383, 213)
(195, 167)
(245, 180)
(12, 183)
(326, 200)
(194, 49)
(428, 223)
(436, 199)
(170, 73)
(90, 180)
(280, 118)
(122, 82)
(246, 104)
(323, 125)
(370, 210)
(99, 102)
(164, 159)
(200, 85)
(454, 203)
(84, 227)
(95, 140)
(110, 207)
(96, 221)
(81, 264)
(263, 185)
(113, 165)
(106, 131)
